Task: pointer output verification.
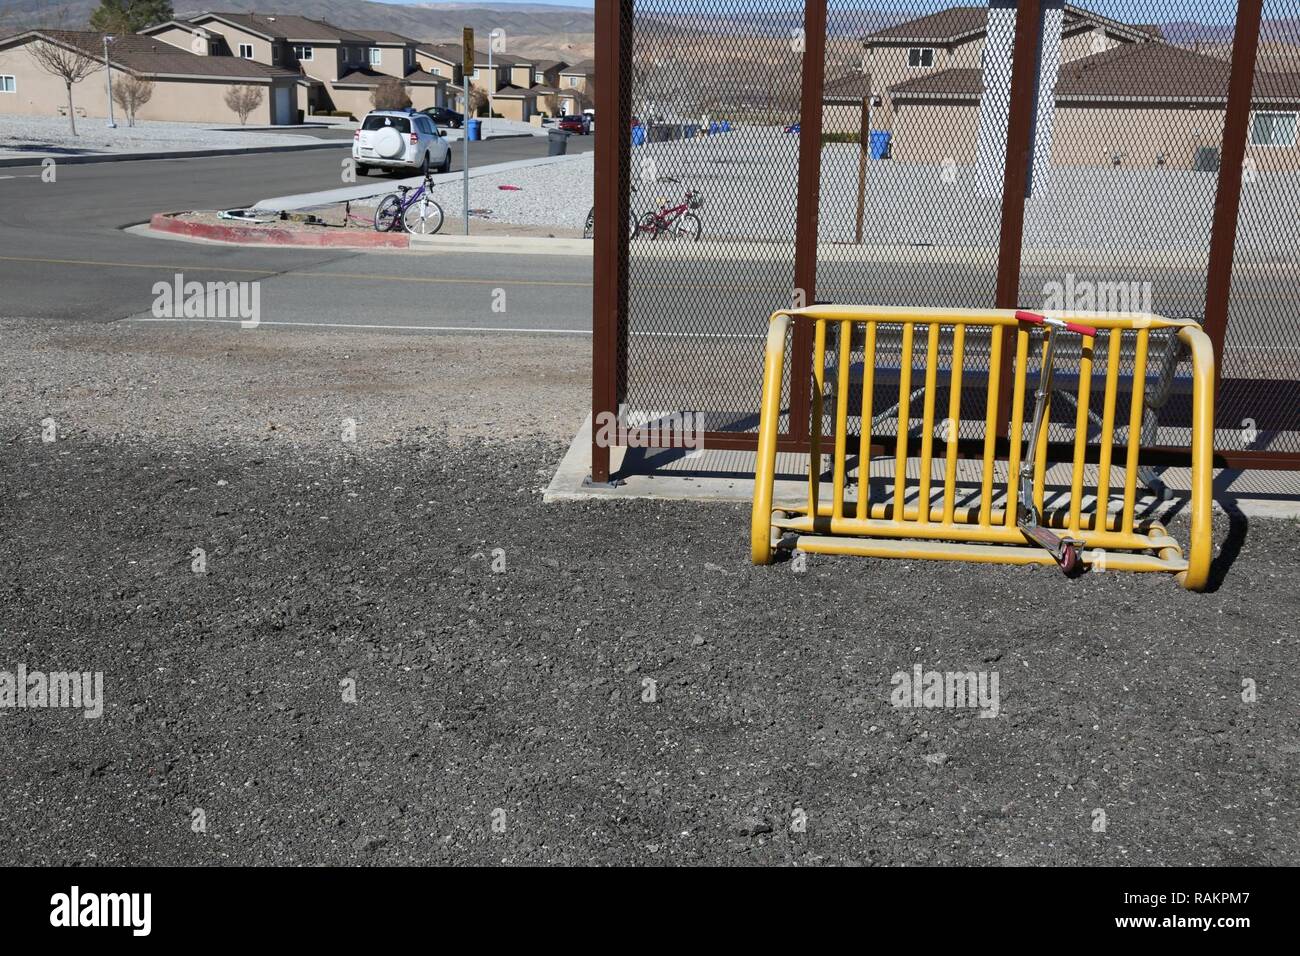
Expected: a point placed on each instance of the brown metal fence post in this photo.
(1020, 127)
(1227, 202)
(805, 241)
(609, 261)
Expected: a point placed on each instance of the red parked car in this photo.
(575, 124)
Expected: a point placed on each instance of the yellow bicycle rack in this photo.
(924, 521)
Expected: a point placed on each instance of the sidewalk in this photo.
(11, 158)
(718, 475)
(365, 189)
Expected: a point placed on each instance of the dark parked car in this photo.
(445, 117)
(575, 124)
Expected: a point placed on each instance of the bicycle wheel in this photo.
(648, 227)
(423, 217)
(589, 230)
(687, 228)
(388, 213)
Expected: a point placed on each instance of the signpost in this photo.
(467, 67)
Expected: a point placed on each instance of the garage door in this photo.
(282, 106)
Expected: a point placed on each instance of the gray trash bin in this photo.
(559, 142)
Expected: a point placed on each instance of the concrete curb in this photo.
(35, 160)
(727, 476)
(250, 235)
(233, 234)
(513, 245)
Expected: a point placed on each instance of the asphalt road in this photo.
(64, 256)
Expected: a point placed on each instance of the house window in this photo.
(246, 51)
(214, 48)
(1273, 129)
(275, 54)
(8, 84)
(574, 81)
(539, 77)
(920, 58)
(301, 51)
(376, 56)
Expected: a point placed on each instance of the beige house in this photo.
(547, 73)
(515, 103)
(187, 86)
(338, 68)
(440, 59)
(953, 39)
(580, 77)
(1139, 105)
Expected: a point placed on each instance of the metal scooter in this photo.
(1066, 551)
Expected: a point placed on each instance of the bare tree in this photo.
(70, 63)
(478, 100)
(242, 100)
(552, 103)
(390, 94)
(131, 92)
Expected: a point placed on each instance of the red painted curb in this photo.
(167, 222)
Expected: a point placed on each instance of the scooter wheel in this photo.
(1069, 559)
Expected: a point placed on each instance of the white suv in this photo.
(398, 139)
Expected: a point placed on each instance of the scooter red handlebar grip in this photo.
(1036, 319)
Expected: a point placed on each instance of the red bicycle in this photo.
(673, 222)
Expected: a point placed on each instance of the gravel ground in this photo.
(50, 134)
(747, 179)
(557, 194)
(505, 717)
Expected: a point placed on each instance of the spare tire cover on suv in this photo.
(389, 143)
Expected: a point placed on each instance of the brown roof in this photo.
(448, 52)
(513, 92)
(958, 23)
(368, 77)
(944, 25)
(145, 55)
(585, 68)
(1159, 71)
(1132, 71)
(850, 86)
(387, 36)
(541, 89)
(286, 27)
(958, 82)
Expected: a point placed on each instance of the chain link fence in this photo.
(1123, 111)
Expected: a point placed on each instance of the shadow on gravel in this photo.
(1238, 526)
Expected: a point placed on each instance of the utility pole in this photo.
(467, 67)
(108, 71)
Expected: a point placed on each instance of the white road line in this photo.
(384, 328)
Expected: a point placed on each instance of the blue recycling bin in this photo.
(473, 129)
(638, 134)
(879, 144)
